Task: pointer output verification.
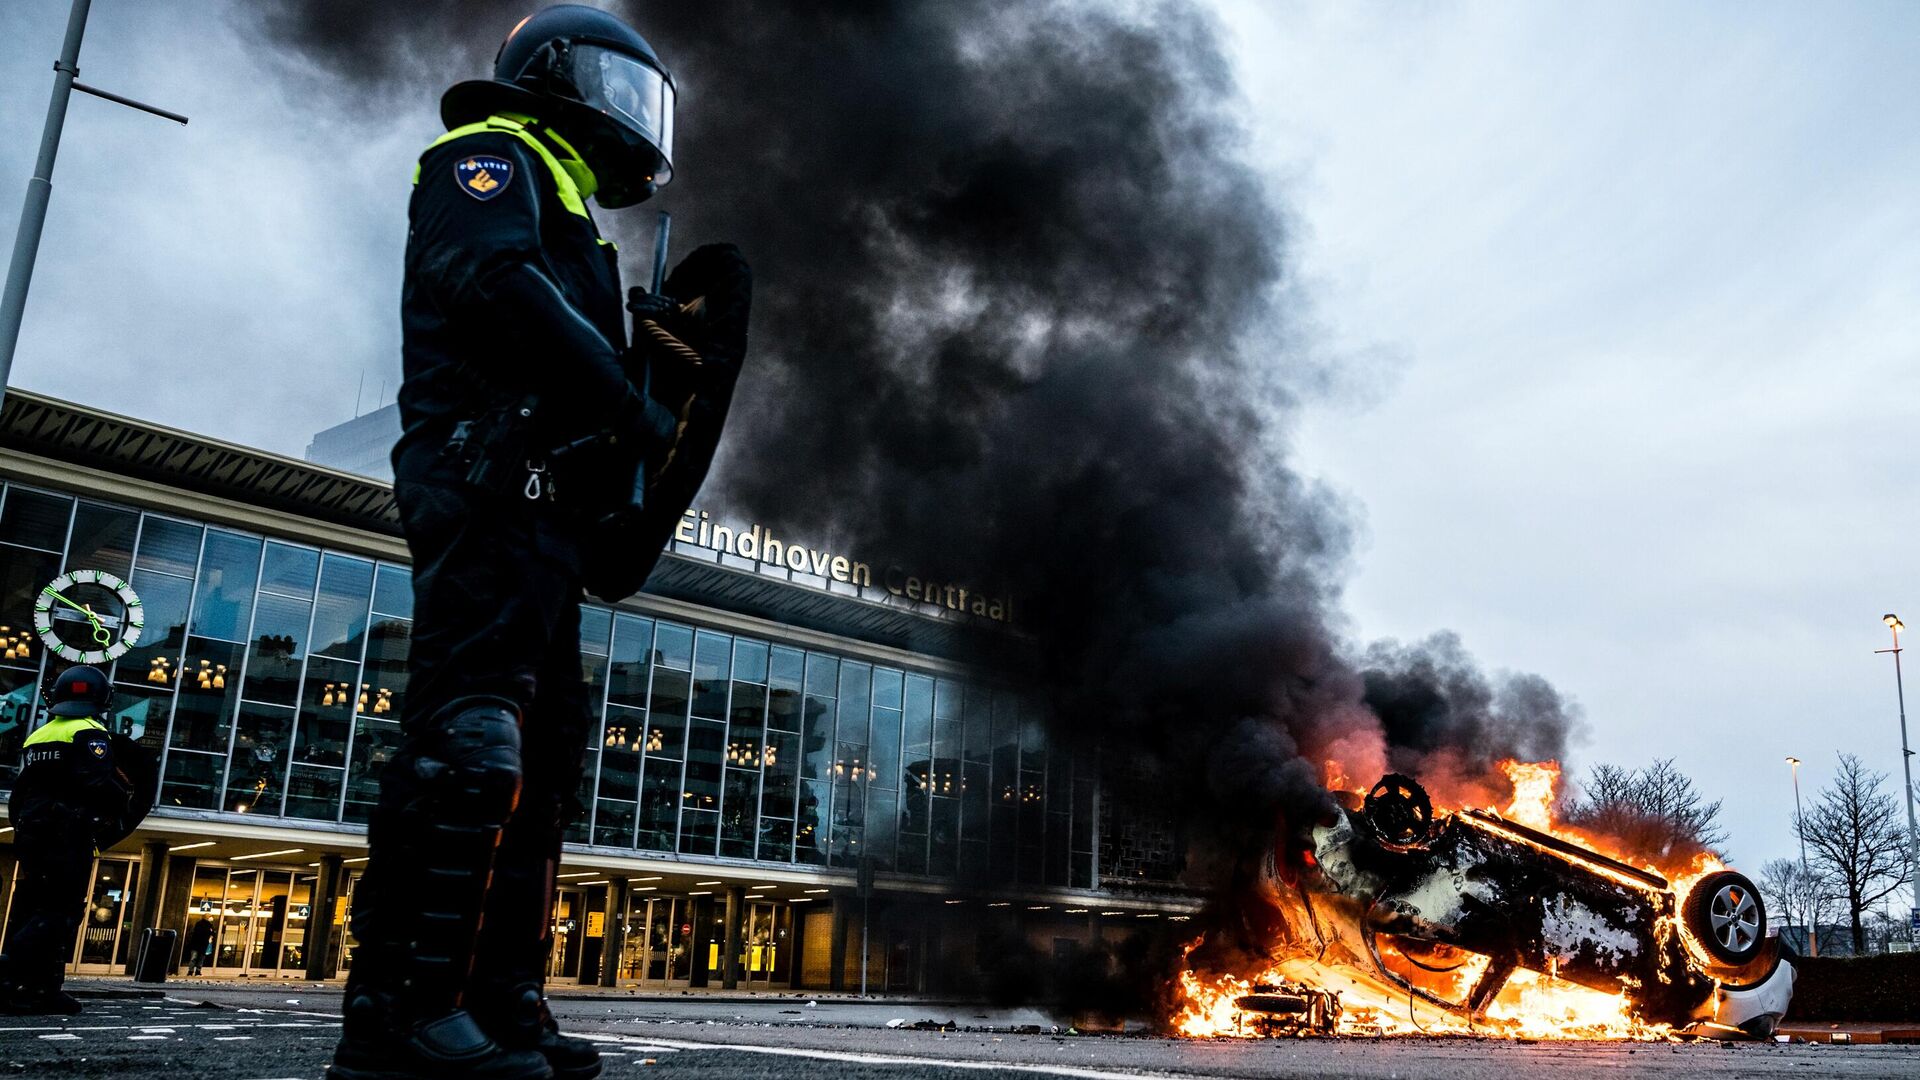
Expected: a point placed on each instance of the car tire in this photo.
(1725, 914)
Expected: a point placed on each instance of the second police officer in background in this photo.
(82, 788)
(540, 456)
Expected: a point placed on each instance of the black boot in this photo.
(379, 1043)
(24, 1001)
(518, 1019)
(443, 801)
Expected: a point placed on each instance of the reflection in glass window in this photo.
(259, 759)
(314, 793)
(192, 779)
(289, 570)
(223, 602)
(34, 519)
(167, 546)
(673, 646)
(156, 660)
(23, 574)
(711, 663)
(209, 688)
(393, 591)
(102, 539)
(739, 816)
(632, 645)
(340, 612)
(704, 757)
(275, 655)
(327, 700)
(659, 805)
(699, 830)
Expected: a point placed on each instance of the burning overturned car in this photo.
(1398, 919)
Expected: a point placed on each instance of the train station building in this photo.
(771, 716)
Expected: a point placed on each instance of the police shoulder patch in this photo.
(99, 748)
(483, 175)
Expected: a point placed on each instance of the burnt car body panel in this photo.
(1476, 883)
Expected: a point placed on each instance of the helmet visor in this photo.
(631, 93)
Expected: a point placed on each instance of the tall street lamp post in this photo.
(1806, 879)
(1906, 764)
(33, 216)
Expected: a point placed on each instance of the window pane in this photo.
(712, 660)
(620, 754)
(613, 824)
(783, 709)
(156, 660)
(314, 793)
(35, 520)
(816, 742)
(673, 646)
(776, 840)
(809, 843)
(279, 637)
(375, 741)
(23, 574)
(259, 763)
(102, 539)
(782, 771)
(705, 753)
(192, 779)
(393, 591)
(659, 805)
(140, 713)
(289, 569)
(632, 645)
(749, 660)
(667, 730)
(224, 600)
(698, 831)
(747, 717)
(886, 688)
(168, 546)
(327, 699)
(209, 689)
(595, 624)
(340, 614)
(785, 668)
(883, 749)
(739, 813)
(945, 858)
(882, 826)
(19, 703)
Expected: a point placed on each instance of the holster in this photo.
(491, 450)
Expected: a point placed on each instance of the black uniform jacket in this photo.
(506, 294)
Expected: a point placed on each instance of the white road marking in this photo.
(233, 1038)
(873, 1059)
(137, 1038)
(60, 1036)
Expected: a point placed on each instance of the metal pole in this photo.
(26, 241)
(866, 926)
(1906, 765)
(1806, 877)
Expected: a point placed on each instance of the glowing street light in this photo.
(1906, 757)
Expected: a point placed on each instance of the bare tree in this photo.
(1655, 812)
(1857, 837)
(1798, 895)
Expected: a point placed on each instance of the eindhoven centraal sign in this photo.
(758, 544)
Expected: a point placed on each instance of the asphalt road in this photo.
(288, 1031)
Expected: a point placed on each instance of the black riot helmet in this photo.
(596, 82)
(81, 690)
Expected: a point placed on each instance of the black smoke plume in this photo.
(1024, 320)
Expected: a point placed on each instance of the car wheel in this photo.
(1725, 915)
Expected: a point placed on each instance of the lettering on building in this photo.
(759, 544)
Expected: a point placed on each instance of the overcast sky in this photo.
(1626, 295)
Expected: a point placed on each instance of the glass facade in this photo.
(272, 680)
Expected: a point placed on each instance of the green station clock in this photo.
(88, 617)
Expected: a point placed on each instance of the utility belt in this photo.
(500, 454)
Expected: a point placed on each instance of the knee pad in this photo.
(468, 765)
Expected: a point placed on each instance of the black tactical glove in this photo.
(641, 424)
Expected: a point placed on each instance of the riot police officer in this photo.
(536, 447)
(80, 789)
